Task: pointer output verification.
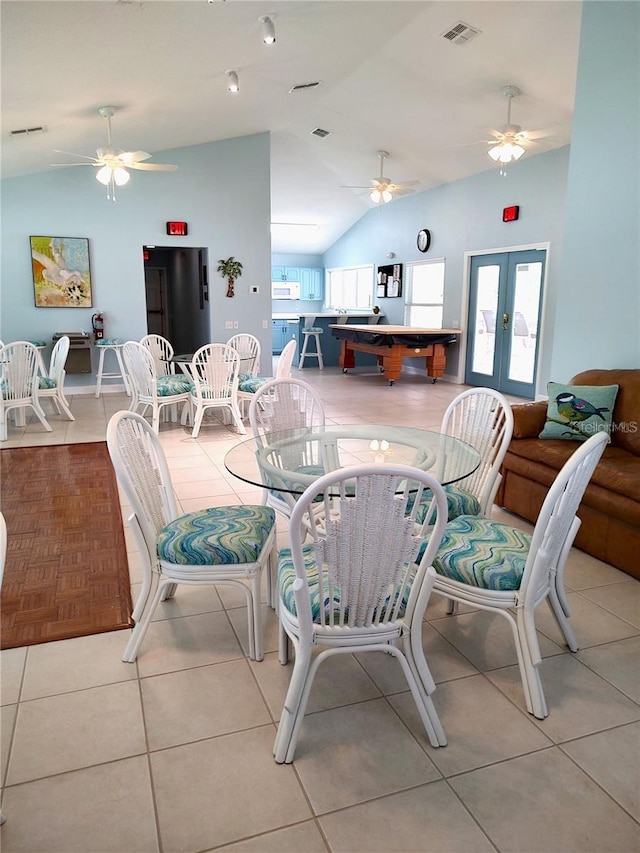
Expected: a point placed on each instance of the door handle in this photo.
(505, 321)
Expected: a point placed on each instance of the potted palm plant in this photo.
(231, 270)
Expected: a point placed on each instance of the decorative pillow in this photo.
(577, 412)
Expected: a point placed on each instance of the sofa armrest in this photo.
(529, 419)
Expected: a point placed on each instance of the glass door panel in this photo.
(484, 340)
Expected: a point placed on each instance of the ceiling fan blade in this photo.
(72, 154)
(74, 164)
(129, 157)
(153, 167)
(397, 191)
(352, 187)
(402, 184)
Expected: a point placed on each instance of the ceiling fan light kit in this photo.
(508, 148)
(112, 164)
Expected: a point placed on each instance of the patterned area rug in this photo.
(66, 573)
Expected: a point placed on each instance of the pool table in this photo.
(392, 344)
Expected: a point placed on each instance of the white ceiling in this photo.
(389, 80)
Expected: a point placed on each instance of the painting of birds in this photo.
(575, 410)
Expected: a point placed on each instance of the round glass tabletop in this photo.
(290, 461)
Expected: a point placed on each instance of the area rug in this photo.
(66, 573)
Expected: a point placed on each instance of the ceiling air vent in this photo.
(318, 131)
(26, 131)
(303, 87)
(460, 34)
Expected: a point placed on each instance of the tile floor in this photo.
(174, 753)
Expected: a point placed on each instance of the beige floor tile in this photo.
(302, 838)
(543, 802)
(622, 599)
(429, 818)
(340, 680)
(104, 809)
(188, 601)
(175, 644)
(61, 733)
(76, 665)
(7, 722)
(357, 753)
(592, 625)
(200, 703)
(583, 571)
(618, 663)
(481, 725)
(579, 701)
(207, 488)
(196, 504)
(612, 758)
(221, 790)
(12, 663)
(486, 639)
(238, 618)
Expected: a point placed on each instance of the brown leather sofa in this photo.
(610, 508)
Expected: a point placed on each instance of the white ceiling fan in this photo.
(112, 163)
(382, 189)
(510, 142)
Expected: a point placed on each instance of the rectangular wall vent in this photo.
(318, 131)
(25, 131)
(302, 87)
(460, 34)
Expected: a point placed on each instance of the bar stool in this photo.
(115, 345)
(311, 332)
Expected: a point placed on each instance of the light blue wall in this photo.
(598, 306)
(465, 216)
(221, 189)
(310, 261)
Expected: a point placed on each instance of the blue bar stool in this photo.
(311, 332)
(115, 345)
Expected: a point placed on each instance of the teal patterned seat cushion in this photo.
(38, 343)
(250, 384)
(312, 330)
(459, 502)
(169, 386)
(46, 383)
(219, 536)
(287, 575)
(483, 553)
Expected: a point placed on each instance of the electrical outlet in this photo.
(228, 324)
(265, 324)
(254, 289)
(235, 324)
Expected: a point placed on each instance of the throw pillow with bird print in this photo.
(576, 412)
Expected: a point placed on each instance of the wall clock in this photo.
(424, 240)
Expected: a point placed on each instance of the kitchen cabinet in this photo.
(312, 283)
(285, 274)
(282, 331)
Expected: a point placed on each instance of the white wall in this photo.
(221, 189)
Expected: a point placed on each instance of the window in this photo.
(349, 287)
(425, 294)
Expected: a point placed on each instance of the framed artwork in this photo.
(61, 272)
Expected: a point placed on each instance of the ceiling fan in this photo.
(382, 189)
(510, 141)
(112, 163)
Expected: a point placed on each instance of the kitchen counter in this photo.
(310, 317)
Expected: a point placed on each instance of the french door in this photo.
(505, 298)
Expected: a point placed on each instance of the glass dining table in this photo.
(288, 462)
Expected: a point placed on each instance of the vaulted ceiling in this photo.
(388, 79)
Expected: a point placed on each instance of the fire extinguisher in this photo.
(97, 321)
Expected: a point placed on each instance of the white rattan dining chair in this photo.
(357, 585)
(482, 418)
(214, 370)
(162, 352)
(248, 349)
(278, 406)
(223, 545)
(248, 387)
(499, 568)
(19, 364)
(51, 386)
(3, 559)
(150, 390)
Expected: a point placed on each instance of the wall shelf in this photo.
(389, 281)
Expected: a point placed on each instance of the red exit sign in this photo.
(177, 229)
(510, 214)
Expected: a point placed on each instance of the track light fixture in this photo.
(232, 81)
(268, 30)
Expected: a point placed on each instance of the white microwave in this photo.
(285, 290)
